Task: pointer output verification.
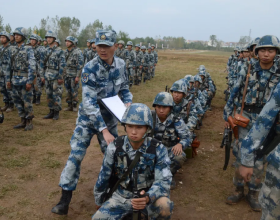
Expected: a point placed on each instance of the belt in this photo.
(253, 109)
(19, 73)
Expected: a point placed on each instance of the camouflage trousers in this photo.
(176, 161)
(118, 207)
(54, 93)
(153, 72)
(145, 73)
(255, 182)
(131, 73)
(23, 101)
(72, 90)
(137, 75)
(37, 88)
(79, 142)
(7, 93)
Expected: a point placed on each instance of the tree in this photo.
(123, 36)
(68, 27)
(8, 28)
(1, 23)
(213, 39)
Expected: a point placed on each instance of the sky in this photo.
(193, 20)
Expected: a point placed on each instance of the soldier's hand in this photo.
(28, 87)
(177, 149)
(127, 104)
(140, 67)
(60, 81)
(8, 85)
(76, 80)
(155, 64)
(140, 203)
(227, 124)
(133, 67)
(246, 173)
(43, 80)
(108, 137)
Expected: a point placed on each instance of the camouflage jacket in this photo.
(151, 59)
(130, 58)
(23, 65)
(85, 54)
(91, 54)
(155, 56)
(37, 55)
(100, 80)
(153, 168)
(120, 53)
(139, 58)
(74, 62)
(146, 59)
(5, 60)
(52, 63)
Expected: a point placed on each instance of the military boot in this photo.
(62, 207)
(38, 100)
(55, 115)
(237, 196)
(69, 108)
(173, 184)
(5, 107)
(34, 99)
(50, 115)
(22, 124)
(75, 109)
(197, 127)
(10, 108)
(29, 125)
(252, 199)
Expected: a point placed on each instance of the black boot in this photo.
(5, 107)
(38, 100)
(252, 199)
(197, 127)
(50, 115)
(10, 108)
(22, 124)
(237, 196)
(62, 207)
(56, 115)
(75, 109)
(34, 99)
(29, 125)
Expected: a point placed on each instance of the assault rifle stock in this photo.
(226, 142)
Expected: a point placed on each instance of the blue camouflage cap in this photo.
(106, 37)
(179, 86)
(164, 99)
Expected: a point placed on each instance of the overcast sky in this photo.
(193, 20)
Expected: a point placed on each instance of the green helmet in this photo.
(179, 86)
(129, 43)
(51, 34)
(121, 42)
(164, 99)
(6, 34)
(268, 41)
(21, 31)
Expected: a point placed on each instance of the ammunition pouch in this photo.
(233, 126)
(241, 121)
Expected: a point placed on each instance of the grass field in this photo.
(31, 162)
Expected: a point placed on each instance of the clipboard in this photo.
(115, 106)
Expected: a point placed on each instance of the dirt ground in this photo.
(31, 162)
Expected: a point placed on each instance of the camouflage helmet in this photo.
(45, 39)
(58, 41)
(129, 43)
(137, 45)
(88, 40)
(201, 68)
(235, 49)
(245, 48)
(189, 78)
(268, 41)
(121, 42)
(138, 114)
(71, 39)
(33, 37)
(143, 48)
(92, 41)
(153, 45)
(149, 47)
(255, 42)
(21, 31)
(11, 34)
(179, 86)
(202, 73)
(27, 42)
(197, 78)
(76, 41)
(6, 34)
(51, 34)
(39, 38)
(164, 99)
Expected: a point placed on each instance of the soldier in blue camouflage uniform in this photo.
(72, 72)
(153, 179)
(45, 43)
(156, 59)
(87, 49)
(151, 63)
(231, 59)
(37, 91)
(23, 64)
(92, 53)
(57, 42)
(146, 63)
(102, 77)
(12, 39)
(266, 126)
(130, 61)
(5, 67)
(51, 71)
(120, 52)
(263, 79)
(183, 107)
(139, 65)
(202, 94)
(171, 130)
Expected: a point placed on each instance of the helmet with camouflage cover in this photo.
(92, 41)
(6, 34)
(51, 34)
(189, 78)
(163, 99)
(121, 42)
(88, 40)
(76, 41)
(245, 48)
(202, 73)
(153, 45)
(11, 34)
(179, 86)
(21, 31)
(197, 78)
(143, 48)
(137, 45)
(138, 114)
(27, 42)
(149, 47)
(33, 37)
(235, 49)
(58, 41)
(254, 43)
(39, 38)
(201, 68)
(129, 43)
(71, 39)
(268, 41)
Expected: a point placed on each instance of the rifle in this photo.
(12, 63)
(226, 142)
(167, 89)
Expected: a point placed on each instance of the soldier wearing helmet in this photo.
(146, 63)
(130, 61)
(23, 66)
(5, 67)
(156, 59)
(12, 39)
(263, 78)
(135, 145)
(120, 52)
(72, 72)
(92, 53)
(151, 63)
(87, 49)
(171, 130)
(139, 65)
(103, 77)
(45, 43)
(51, 71)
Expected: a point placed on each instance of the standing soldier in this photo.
(139, 65)
(5, 68)
(120, 52)
(51, 69)
(12, 38)
(87, 49)
(92, 53)
(146, 63)
(156, 60)
(74, 64)
(151, 62)
(45, 43)
(130, 61)
(23, 64)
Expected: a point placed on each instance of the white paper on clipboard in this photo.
(115, 106)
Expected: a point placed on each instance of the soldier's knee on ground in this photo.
(165, 207)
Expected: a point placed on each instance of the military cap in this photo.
(152, 45)
(106, 37)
